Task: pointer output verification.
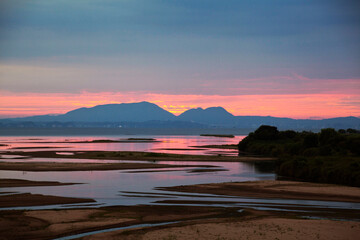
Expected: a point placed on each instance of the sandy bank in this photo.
(267, 228)
(251, 224)
(49, 224)
(6, 183)
(28, 199)
(193, 223)
(137, 156)
(276, 189)
(57, 166)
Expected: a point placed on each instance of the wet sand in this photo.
(267, 228)
(137, 156)
(276, 189)
(13, 199)
(224, 146)
(7, 182)
(128, 140)
(39, 147)
(195, 222)
(28, 199)
(49, 224)
(56, 166)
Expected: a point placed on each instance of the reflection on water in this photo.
(165, 144)
(80, 235)
(131, 187)
(64, 153)
(106, 186)
(66, 160)
(263, 166)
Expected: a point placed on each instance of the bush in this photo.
(311, 152)
(265, 132)
(288, 134)
(329, 156)
(311, 140)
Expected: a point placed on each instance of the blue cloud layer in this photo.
(215, 39)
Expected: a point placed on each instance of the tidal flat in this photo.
(107, 194)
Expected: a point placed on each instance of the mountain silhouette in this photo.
(212, 116)
(145, 114)
(124, 112)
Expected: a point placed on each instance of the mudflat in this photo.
(185, 222)
(59, 166)
(49, 224)
(268, 228)
(29, 199)
(8, 182)
(191, 222)
(137, 156)
(276, 189)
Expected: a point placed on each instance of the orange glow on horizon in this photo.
(293, 106)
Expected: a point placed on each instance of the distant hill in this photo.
(304, 124)
(124, 112)
(145, 114)
(211, 116)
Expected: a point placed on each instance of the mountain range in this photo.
(145, 114)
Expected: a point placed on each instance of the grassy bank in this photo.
(328, 156)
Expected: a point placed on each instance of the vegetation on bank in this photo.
(218, 135)
(328, 156)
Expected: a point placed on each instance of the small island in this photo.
(218, 135)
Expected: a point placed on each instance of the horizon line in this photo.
(176, 115)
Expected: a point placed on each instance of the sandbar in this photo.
(8, 182)
(49, 224)
(139, 156)
(28, 199)
(59, 166)
(275, 189)
(266, 228)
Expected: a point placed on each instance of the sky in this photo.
(282, 58)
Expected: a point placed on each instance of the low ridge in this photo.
(151, 115)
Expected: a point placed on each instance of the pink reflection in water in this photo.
(166, 144)
(105, 186)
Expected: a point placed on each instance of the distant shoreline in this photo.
(119, 131)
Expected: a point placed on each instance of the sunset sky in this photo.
(283, 58)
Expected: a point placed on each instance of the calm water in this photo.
(108, 187)
(131, 187)
(164, 144)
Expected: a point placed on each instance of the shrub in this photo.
(329, 156)
(265, 132)
(311, 140)
(311, 152)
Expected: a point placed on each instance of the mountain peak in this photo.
(218, 109)
(118, 112)
(211, 115)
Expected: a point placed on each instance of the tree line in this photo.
(327, 156)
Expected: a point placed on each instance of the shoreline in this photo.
(186, 221)
(30, 200)
(183, 222)
(56, 166)
(137, 156)
(275, 189)
(15, 199)
(12, 182)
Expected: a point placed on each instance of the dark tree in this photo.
(265, 132)
(311, 140)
